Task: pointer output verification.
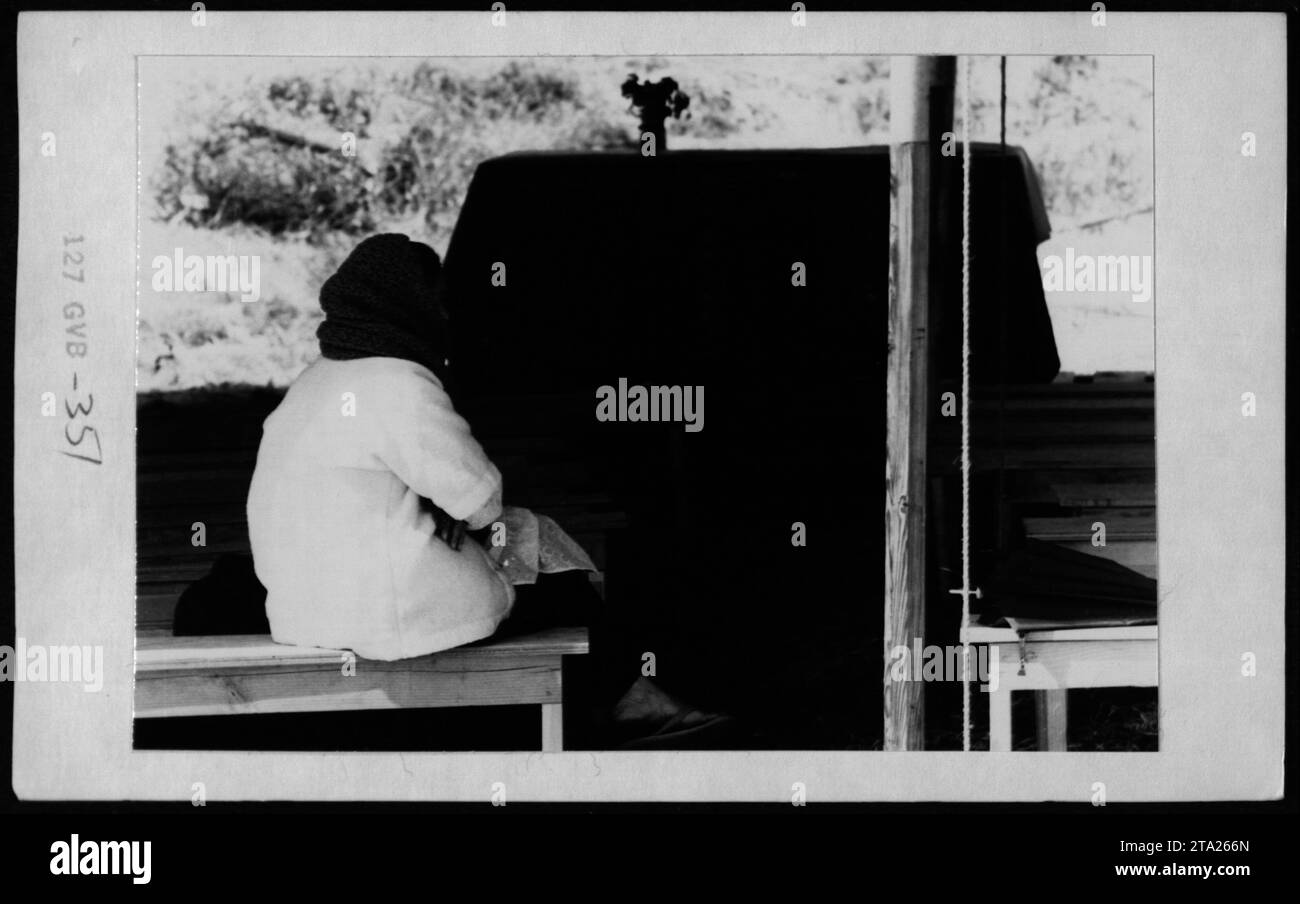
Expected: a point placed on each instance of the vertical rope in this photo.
(1003, 511)
(1002, 103)
(965, 402)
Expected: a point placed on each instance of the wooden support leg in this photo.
(1053, 718)
(552, 727)
(1000, 721)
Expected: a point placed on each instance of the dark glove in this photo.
(445, 527)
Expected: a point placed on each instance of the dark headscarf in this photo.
(380, 303)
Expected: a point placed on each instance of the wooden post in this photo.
(1052, 708)
(552, 727)
(920, 91)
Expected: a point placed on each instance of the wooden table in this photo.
(1051, 662)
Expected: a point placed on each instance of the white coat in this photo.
(339, 539)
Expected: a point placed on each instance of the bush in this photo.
(272, 159)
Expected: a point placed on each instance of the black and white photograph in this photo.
(650, 407)
(425, 347)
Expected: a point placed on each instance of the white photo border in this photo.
(1220, 263)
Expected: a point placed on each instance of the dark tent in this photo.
(677, 270)
(670, 263)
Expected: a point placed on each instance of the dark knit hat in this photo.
(380, 303)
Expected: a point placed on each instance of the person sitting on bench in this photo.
(368, 482)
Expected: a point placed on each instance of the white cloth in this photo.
(339, 539)
(529, 544)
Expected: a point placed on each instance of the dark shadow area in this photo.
(677, 271)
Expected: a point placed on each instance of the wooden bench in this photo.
(194, 464)
(235, 675)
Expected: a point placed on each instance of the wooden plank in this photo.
(1106, 495)
(1005, 635)
(552, 727)
(163, 654)
(1067, 664)
(204, 496)
(1124, 525)
(921, 110)
(181, 572)
(1060, 456)
(190, 461)
(906, 419)
(179, 559)
(1131, 487)
(284, 690)
(1000, 721)
(179, 533)
(168, 512)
